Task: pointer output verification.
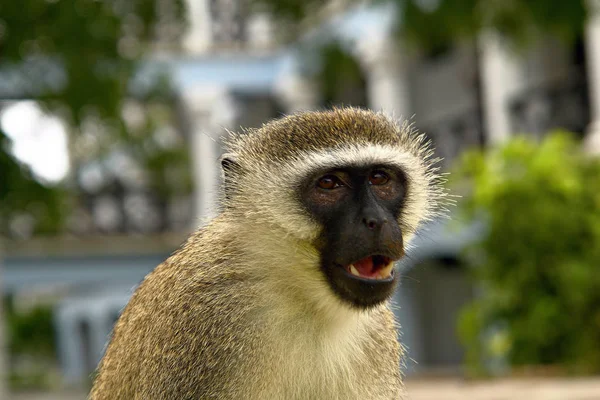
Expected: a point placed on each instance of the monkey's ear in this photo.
(230, 169)
(229, 165)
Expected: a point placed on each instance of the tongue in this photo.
(365, 267)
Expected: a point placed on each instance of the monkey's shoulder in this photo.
(198, 293)
(192, 333)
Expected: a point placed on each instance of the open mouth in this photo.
(374, 267)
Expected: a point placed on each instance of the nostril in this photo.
(370, 223)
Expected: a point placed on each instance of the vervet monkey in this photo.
(284, 295)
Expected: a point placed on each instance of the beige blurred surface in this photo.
(454, 389)
(514, 389)
(49, 396)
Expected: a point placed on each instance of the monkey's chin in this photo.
(361, 286)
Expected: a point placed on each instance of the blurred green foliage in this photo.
(31, 345)
(340, 77)
(519, 20)
(30, 332)
(538, 265)
(97, 48)
(98, 44)
(433, 24)
(22, 194)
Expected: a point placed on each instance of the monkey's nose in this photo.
(373, 223)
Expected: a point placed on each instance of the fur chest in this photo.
(347, 361)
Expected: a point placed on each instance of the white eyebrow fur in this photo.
(355, 155)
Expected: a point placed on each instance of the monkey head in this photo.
(333, 197)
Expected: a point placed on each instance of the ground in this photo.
(513, 389)
(455, 389)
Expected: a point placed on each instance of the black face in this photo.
(361, 238)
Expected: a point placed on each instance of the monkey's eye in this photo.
(329, 182)
(379, 178)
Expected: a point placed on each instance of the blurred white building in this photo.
(232, 71)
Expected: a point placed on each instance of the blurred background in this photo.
(111, 119)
